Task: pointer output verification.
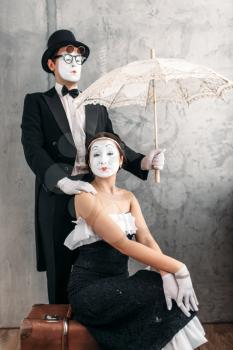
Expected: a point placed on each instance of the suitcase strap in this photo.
(55, 318)
(65, 334)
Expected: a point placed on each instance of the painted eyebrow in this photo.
(96, 147)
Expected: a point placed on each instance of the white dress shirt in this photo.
(77, 119)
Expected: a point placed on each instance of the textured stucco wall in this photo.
(190, 212)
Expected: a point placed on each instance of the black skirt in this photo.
(121, 312)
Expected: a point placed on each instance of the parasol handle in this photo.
(157, 172)
(157, 175)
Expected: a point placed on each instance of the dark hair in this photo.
(53, 59)
(114, 137)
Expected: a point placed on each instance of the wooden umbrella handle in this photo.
(157, 172)
(157, 176)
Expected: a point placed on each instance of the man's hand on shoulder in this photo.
(75, 186)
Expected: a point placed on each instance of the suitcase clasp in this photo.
(52, 318)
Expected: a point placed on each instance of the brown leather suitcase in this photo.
(49, 327)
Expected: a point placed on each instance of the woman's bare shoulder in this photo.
(83, 196)
(85, 202)
(126, 193)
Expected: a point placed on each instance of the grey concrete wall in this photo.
(190, 212)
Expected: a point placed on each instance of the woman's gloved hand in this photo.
(170, 288)
(186, 291)
(75, 186)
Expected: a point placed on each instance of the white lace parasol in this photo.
(153, 80)
(175, 80)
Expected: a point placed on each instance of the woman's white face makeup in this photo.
(104, 158)
(69, 72)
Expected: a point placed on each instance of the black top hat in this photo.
(57, 40)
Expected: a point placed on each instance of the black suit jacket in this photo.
(50, 150)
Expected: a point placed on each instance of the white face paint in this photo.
(69, 72)
(104, 158)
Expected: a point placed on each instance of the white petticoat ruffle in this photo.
(188, 338)
(83, 233)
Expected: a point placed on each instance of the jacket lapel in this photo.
(55, 105)
(91, 112)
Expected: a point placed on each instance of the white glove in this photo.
(170, 288)
(154, 160)
(75, 186)
(186, 291)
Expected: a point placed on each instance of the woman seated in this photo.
(125, 312)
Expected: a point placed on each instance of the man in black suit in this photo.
(54, 147)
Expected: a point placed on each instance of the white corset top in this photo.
(83, 233)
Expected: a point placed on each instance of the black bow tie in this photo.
(73, 92)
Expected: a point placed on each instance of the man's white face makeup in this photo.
(68, 68)
(104, 158)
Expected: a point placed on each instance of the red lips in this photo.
(104, 168)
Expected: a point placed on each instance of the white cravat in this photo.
(76, 118)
